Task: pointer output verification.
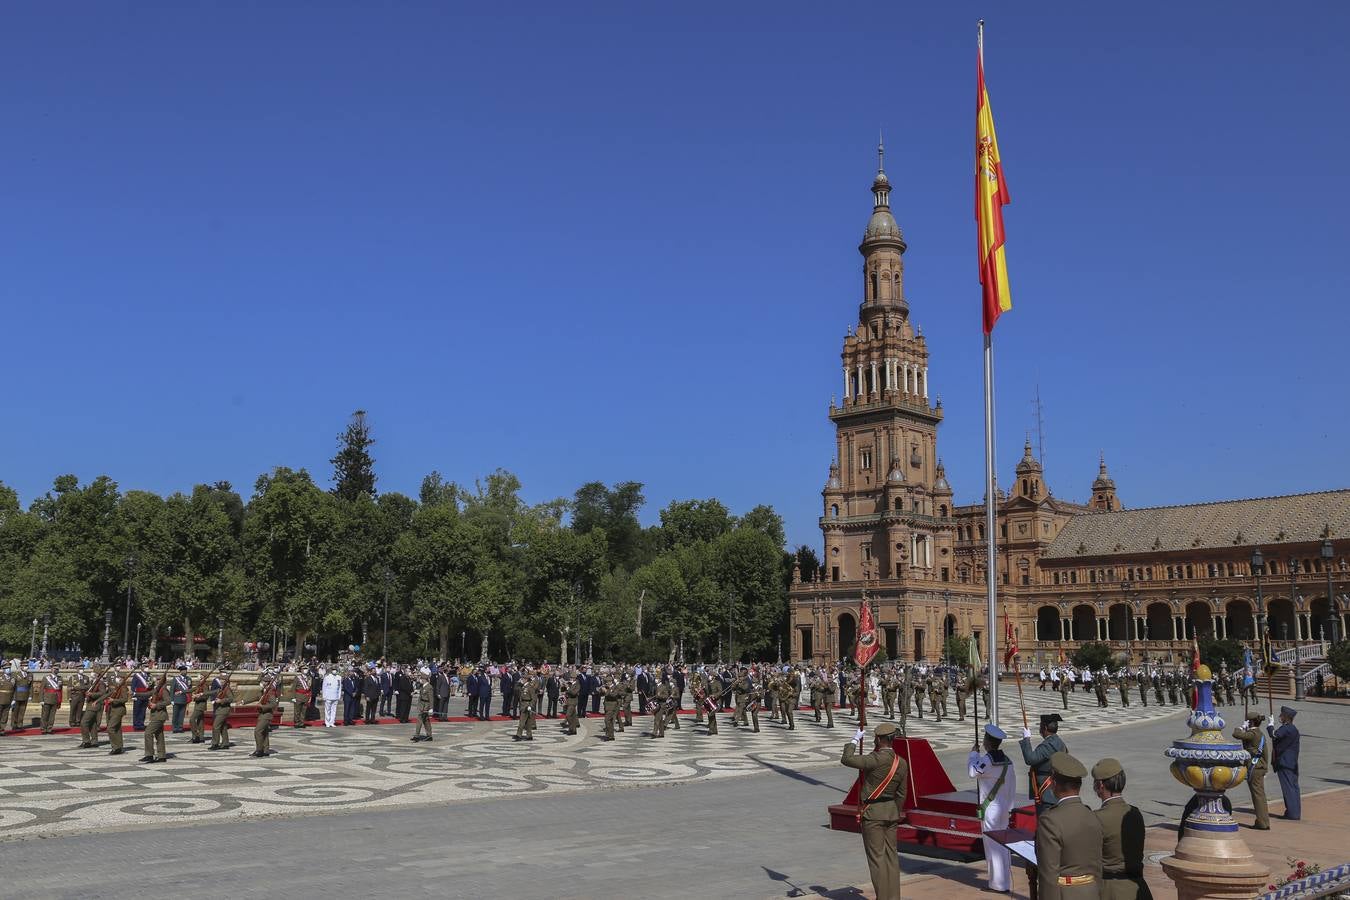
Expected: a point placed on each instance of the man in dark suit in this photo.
(644, 690)
(583, 691)
(484, 696)
(371, 689)
(440, 683)
(1284, 755)
(595, 693)
(506, 684)
(403, 690)
(351, 698)
(551, 688)
(471, 686)
(386, 676)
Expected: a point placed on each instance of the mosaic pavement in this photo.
(47, 786)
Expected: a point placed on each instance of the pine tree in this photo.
(353, 467)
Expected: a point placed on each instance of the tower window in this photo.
(834, 510)
(865, 458)
(874, 285)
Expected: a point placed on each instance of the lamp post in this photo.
(138, 641)
(46, 624)
(126, 620)
(32, 640)
(731, 652)
(107, 631)
(461, 646)
(388, 582)
(1298, 630)
(946, 617)
(1259, 569)
(220, 639)
(1333, 604)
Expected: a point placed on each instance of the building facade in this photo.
(1144, 580)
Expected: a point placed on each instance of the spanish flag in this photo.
(991, 195)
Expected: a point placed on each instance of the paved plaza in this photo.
(363, 811)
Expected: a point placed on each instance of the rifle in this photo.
(158, 694)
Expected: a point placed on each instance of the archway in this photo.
(1320, 613)
(1199, 620)
(1118, 625)
(1241, 623)
(1084, 623)
(1159, 622)
(1280, 619)
(1047, 624)
(848, 635)
(948, 627)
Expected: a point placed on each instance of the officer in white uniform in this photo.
(996, 783)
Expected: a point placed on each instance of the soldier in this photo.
(1068, 838)
(629, 688)
(1065, 685)
(1158, 687)
(755, 698)
(1228, 683)
(197, 720)
(180, 690)
(671, 712)
(1172, 688)
(1123, 683)
(1122, 836)
(79, 684)
(827, 701)
(51, 698)
(610, 694)
(888, 695)
(303, 691)
(157, 705)
(1042, 781)
(996, 783)
(551, 687)
(919, 690)
(93, 709)
(1142, 678)
(884, 779)
(787, 702)
(904, 695)
(267, 707)
(814, 684)
(6, 695)
(1254, 741)
(1045, 679)
(529, 692)
(23, 688)
(222, 701)
(117, 708)
(1284, 753)
(938, 699)
(1099, 688)
(699, 688)
(962, 692)
(570, 704)
(425, 696)
(140, 694)
(740, 691)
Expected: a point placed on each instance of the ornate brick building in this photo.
(1144, 580)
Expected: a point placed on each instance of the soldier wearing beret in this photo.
(1255, 742)
(1122, 836)
(1068, 838)
(1042, 779)
(884, 779)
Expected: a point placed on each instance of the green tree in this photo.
(694, 521)
(956, 650)
(767, 522)
(747, 567)
(1216, 653)
(353, 467)
(562, 567)
(615, 511)
(808, 561)
(1093, 655)
(1339, 660)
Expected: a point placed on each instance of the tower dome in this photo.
(881, 228)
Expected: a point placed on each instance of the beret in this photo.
(1065, 766)
(1107, 768)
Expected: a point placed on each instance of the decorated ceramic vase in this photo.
(1209, 762)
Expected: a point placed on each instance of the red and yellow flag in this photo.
(867, 637)
(991, 195)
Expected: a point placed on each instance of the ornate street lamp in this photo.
(126, 620)
(46, 624)
(107, 631)
(220, 639)
(1333, 604)
(1298, 630)
(1259, 569)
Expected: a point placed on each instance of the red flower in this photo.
(1301, 864)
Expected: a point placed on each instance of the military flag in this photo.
(1010, 640)
(991, 195)
(867, 637)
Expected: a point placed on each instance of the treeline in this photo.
(458, 569)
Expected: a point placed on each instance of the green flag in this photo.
(974, 655)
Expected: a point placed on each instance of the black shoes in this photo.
(118, 752)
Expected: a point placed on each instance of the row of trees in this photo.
(326, 567)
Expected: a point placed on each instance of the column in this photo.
(1102, 633)
(1065, 632)
(862, 385)
(847, 386)
(904, 383)
(925, 382)
(876, 385)
(1174, 628)
(1223, 626)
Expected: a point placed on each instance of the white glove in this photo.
(858, 737)
(1026, 733)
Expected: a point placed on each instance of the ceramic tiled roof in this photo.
(1298, 518)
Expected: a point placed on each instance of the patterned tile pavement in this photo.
(47, 786)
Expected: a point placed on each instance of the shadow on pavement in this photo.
(800, 776)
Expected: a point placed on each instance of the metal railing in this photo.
(1313, 650)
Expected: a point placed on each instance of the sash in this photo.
(993, 792)
(895, 765)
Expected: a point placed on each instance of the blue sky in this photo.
(619, 241)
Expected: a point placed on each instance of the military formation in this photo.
(1166, 686)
